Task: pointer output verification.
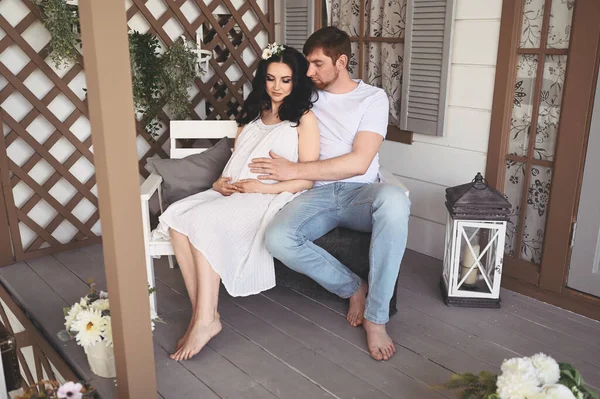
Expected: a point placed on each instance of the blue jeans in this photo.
(382, 209)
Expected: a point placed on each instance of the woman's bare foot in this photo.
(182, 339)
(356, 310)
(197, 338)
(379, 342)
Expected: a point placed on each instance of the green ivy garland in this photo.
(159, 80)
(62, 21)
(145, 76)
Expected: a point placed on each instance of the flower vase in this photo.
(102, 360)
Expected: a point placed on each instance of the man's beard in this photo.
(325, 85)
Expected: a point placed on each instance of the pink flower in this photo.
(70, 390)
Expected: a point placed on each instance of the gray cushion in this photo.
(192, 174)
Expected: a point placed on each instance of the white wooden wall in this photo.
(432, 164)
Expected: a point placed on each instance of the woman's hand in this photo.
(252, 186)
(224, 187)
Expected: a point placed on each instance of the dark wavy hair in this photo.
(295, 105)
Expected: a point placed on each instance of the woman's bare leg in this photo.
(185, 260)
(205, 322)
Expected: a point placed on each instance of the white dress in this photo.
(230, 231)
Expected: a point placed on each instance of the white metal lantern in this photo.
(474, 250)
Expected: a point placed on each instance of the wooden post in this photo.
(107, 67)
(6, 250)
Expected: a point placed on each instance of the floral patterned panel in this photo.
(533, 16)
(385, 18)
(384, 63)
(535, 214)
(522, 105)
(345, 14)
(549, 111)
(353, 63)
(513, 191)
(559, 29)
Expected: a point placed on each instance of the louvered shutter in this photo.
(426, 65)
(298, 22)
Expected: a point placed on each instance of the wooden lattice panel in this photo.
(46, 155)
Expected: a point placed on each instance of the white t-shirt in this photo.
(342, 116)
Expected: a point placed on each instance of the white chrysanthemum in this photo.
(106, 328)
(72, 315)
(519, 379)
(70, 390)
(83, 302)
(554, 391)
(100, 304)
(266, 54)
(548, 371)
(89, 327)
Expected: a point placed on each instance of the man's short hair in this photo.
(333, 41)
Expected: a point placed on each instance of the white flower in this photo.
(554, 391)
(106, 328)
(70, 390)
(519, 379)
(83, 302)
(184, 41)
(100, 304)
(72, 315)
(548, 371)
(103, 295)
(89, 327)
(266, 54)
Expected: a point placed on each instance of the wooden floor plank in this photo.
(441, 352)
(562, 323)
(352, 358)
(258, 364)
(168, 300)
(283, 344)
(406, 361)
(270, 372)
(84, 264)
(174, 381)
(308, 361)
(215, 371)
(561, 314)
(423, 281)
(461, 318)
(64, 282)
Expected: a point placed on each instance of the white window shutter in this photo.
(298, 22)
(426, 65)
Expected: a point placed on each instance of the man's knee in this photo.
(278, 239)
(392, 202)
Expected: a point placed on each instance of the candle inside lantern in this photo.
(468, 261)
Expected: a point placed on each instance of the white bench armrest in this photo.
(150, 185)
(388, 177)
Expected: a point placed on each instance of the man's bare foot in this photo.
(182, 339)
(379, 342)
(356, 310)
(197, 338)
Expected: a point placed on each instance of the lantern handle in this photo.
(479, 182)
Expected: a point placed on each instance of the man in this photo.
(353, 119)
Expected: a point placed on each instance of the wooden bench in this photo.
(350, 247)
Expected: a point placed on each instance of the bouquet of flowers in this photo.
(88, 321)
(53, 390)
(535, 377)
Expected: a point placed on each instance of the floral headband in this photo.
(272, 49)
